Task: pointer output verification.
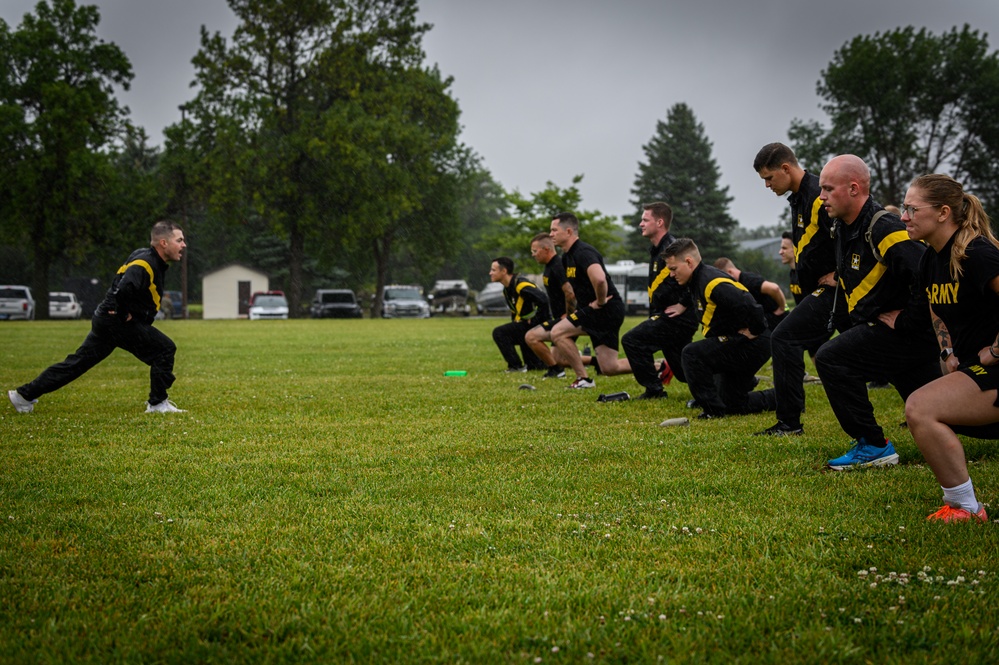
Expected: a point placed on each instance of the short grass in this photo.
(330, 496)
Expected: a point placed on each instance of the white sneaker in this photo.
(582, 383)
(20, 404)
(166, 406)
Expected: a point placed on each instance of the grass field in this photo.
(330, 496)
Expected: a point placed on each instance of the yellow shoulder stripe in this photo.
(810, 230)
(891, 240)
(660, 278)
(152, 284)
(874, 276)
(709, 305)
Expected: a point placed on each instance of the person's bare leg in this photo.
(563, 335)
(952, 399)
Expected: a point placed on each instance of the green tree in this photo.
(910, 102)
(482, 203)
(680, 170)
(58, 115)
(320, 119)
(511, 234)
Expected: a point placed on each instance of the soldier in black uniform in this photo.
(600, 310)
(786, 254)
(768, 294)
(528, 308)
(721, 368)
(124, 320)
(559, 293)
(960, 273)
(807, 326)
(659, 332)
(878, 270)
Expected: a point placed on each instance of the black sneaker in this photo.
(515, 370)
(554, 372)
(781, 429)
(704, 415)
(652, 394)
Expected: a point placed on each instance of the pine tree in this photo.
(680, 170)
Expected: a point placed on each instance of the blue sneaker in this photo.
(864, 455)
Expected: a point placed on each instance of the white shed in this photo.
(226, 291)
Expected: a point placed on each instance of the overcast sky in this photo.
(553, 88)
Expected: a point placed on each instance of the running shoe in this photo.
(953, 513)
(554, 372)
(781, 429)
(515, 370)
(21, 405)
(665, 373)
(652, 394)
(166, 406)
(863, 455)
(581, 383)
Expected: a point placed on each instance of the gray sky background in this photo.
(553, 88)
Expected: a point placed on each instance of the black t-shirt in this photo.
(576, 262)
(754, 283)
(554, 278)
(968, 307)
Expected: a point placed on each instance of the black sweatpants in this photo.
(511, 335)
(721, 373)
(657, 333)
(868, 351)
(804, 329)
(107, 333)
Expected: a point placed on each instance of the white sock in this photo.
(962, 495)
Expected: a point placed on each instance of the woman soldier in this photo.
(961, 274)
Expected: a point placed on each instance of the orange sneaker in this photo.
(951, 513)
(665, 373)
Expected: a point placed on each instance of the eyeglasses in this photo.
(911, 210)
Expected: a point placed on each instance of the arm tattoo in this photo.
(940, 330)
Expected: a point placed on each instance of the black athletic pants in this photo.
(804, 329)
(864, 352)
(734, 361)
(107, 333)
(657, 333)
(511, 335)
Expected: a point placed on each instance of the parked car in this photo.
(404, 301)
(64, 305)
(268, 305)
(335, 304)
(490, 300)
(16, 302)
(450, 296)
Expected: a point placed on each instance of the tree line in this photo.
(320, 148)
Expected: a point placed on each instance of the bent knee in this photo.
(919, 409)
(535, 335)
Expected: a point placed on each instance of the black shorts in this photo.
(987, 378)
(602, 325)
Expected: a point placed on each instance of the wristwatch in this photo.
(945, 354)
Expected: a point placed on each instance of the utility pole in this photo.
(183, 213)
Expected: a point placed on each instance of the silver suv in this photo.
(404, 301)
(16, 302)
